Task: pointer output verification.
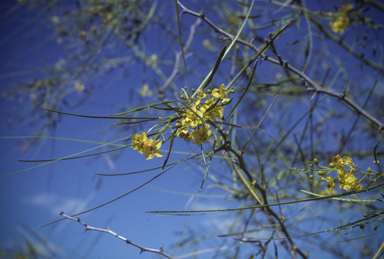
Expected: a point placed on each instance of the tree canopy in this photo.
(269, 111)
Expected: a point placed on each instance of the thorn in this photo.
(141, 251)
(78, 220)
(61, 213)
(202, 13)
(161, 248)
(303, 81)
(264, 57)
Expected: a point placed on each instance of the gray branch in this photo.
(142, 248)
(314, 87)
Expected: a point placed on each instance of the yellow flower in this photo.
(79, 87)
(153, 58)
(186, 136)
(341, 22)
(331, 182)
(207, 44)
(182, 131)
(191, 119)
(202, 95)
(348, 181)
(145, 91)
(138, 142)
(216, 112)
(220, 93)
(341, 162)
(151, 148)
(201, 135)
(55, 19)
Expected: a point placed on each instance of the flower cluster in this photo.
(149, 147)
(191, 124)
(342, 20)
(191, 127)
(347, 180)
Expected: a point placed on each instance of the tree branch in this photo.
(142, 248)
(314, 86)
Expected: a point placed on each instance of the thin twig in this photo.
(315, 87)
(142, 248)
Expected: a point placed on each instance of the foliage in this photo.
(276, 111)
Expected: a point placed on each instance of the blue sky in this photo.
(36, 196)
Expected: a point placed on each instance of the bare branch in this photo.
(142, 248)
(315, 87)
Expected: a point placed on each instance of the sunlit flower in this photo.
(348, 181)
(153, 58)
(79, 87)
(55, 19)
(138, 142)
(192, 120)
(345, 161)
(201, 94)
(331, 182)
(152, 61)
(216, 112)
(342, 20)
(201, 136)
(207, 44)
(220, 93)
(144, 91)
(151, 148)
